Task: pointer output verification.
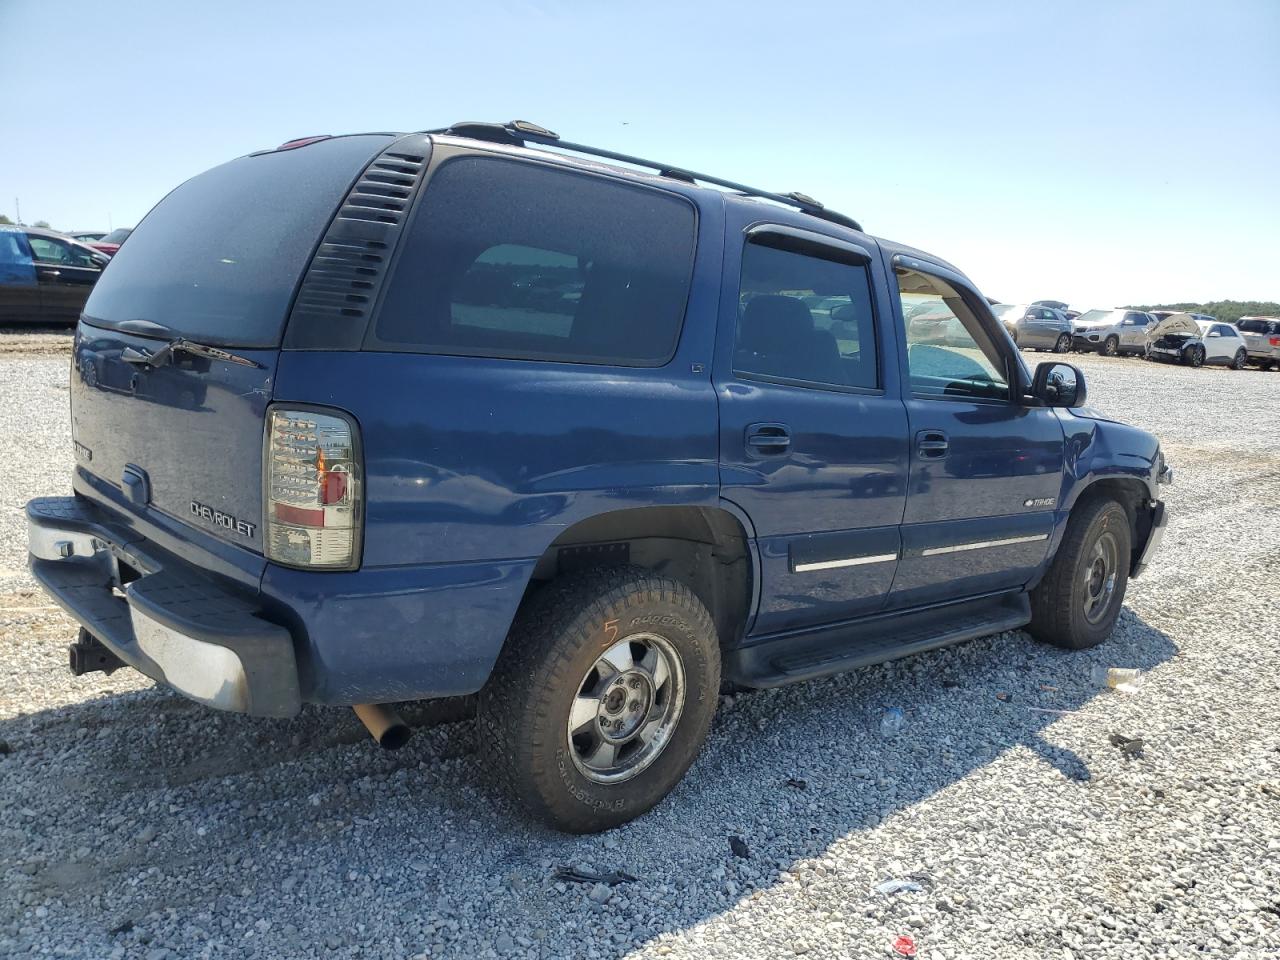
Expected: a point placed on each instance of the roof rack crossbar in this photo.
(520, 132)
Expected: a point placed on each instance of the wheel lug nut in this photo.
(635, 684)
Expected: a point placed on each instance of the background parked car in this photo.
(1112, 332)
(44, 276)
(1035, 327)
(1223, 345)
(1175, 338)
(111, 242)
(1262, 338)
(85, 236)
(1198, 317)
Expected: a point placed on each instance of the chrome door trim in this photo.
(845, 562)
(982, 544)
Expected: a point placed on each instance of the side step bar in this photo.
(782, 658)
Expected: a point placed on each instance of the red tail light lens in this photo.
(1275, 341)
(313, 490)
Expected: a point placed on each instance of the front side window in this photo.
(528, 262)
(49, 250)
(804, 318)
(949, 355)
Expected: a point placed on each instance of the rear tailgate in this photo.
(218, 262)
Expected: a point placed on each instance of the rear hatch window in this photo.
(218, 259)
(179, 441)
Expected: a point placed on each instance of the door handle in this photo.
(768, 439)
(931, 445)
(50, 274)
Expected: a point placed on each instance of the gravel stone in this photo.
(1039, 837)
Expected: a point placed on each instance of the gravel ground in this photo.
(136, 824)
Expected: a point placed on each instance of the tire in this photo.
(1111, 346)
(553, 663)
(1240, 360)
(1195, 357)
(1076, 604)
(1063, 345)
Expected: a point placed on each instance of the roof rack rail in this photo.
(518, 133)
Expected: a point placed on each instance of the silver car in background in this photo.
(1112, 332)
(1035, 326)
(1262, 338)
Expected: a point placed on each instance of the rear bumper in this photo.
(1154, 536)
(159, 614)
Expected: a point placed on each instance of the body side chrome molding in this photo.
(846, 562)
(982, 544)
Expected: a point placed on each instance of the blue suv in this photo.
(378, 418)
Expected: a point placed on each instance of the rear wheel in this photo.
(1240, 360)
(603, 698)
(1063, 344)
(1077, 603)
(1111, 346)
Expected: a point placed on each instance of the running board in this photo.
(778, 659)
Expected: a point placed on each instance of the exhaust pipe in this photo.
(386, 726)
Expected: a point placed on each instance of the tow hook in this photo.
(89, 655)
(386, 726)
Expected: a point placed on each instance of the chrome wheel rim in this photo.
(1100, 578)
(626, 708)
(1064, 344)
(1111, 347)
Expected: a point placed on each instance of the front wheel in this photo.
(1240, 361)
(1063, 344)
(1195, 357)
(1077, 603)
(1111, 346)
(603, 697)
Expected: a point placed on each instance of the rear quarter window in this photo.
(529, 262)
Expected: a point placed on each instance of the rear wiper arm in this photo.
(164, 355)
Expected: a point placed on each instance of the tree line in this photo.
(1228, 311)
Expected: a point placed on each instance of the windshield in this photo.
(1096, 316)
(218, 259)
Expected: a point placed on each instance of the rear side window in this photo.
(528, 262)
(218, 259)
(1248, 326)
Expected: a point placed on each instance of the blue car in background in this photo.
(44, 276)
(378, 418)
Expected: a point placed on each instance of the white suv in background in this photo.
(1112, 332)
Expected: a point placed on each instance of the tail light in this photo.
(313, 490)
(1275, 341)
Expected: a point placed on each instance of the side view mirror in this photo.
(1059, 385)
(100, 261)
(1215, 334)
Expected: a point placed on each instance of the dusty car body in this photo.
(1262, 340)
(1036, 326)
(1112, 332)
